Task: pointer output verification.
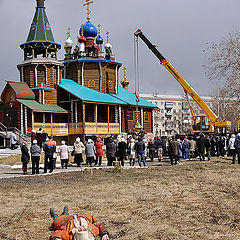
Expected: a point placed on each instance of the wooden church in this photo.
(79, 96)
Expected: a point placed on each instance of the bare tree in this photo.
(222, 67)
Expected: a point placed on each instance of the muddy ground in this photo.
(194, 200)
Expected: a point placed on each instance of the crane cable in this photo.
(136, 68)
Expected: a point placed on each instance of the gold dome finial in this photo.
(88, 2)
(125, 81)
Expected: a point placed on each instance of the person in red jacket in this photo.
(99, 149)
(76, 227)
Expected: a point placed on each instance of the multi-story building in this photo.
(174, 116)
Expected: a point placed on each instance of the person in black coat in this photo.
(39, 137)
(201, 145)
(151, 148)
(25, 157)
(111, 152)
(122, 147)
(140, 147)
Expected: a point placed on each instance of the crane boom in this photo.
(187, 88)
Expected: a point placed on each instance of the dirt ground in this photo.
(194, 200)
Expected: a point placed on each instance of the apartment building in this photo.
(173, 115)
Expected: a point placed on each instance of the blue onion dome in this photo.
(99, 40)
(89, 30)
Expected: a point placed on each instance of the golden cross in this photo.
(107, 37)
(82, 29)
(124, 69)
(88, 2)
(68, 32)
(99, 26)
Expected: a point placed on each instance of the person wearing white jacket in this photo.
(232, 150)
(64, 154)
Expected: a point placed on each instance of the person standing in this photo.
(49, 148)
(33, 136)
(132, 152)
(201, 145)
(217, 146)
(232, 150)
(111, 152)
(25, 157)
(179, 150)
(237, 146)
(64, 154)
(78, 148)
(151, 149)
(99, 151)
(122, 147)
(192, 148)
(185, 148)
(44, 136)
(35, 151)
(90, 152)
(208, 147)
(146, 148)
(159, 147)
(39, 137)
(173, 151)
(213, 146)
(140, 147)
(13, 140)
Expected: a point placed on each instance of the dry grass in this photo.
(189, 201)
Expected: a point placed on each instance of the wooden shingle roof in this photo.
(21, 90)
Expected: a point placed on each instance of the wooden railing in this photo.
(60, 129)
(101, 128)
(56, 129)
(75, 128)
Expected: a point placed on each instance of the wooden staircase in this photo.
(5, 135)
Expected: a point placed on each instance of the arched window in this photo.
(91, 83)
(146, 116)
(130, 115)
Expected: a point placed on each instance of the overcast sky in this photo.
(180, 28)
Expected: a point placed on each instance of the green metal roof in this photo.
(36, 106)
(40, 30)
(124, 97)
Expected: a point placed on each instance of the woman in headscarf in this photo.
(78, 148)
(25, 157)
(64, 154)
(99, 149)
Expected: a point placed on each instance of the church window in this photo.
(111, 85)
(130, 115)
(91, 83)
(146, 117)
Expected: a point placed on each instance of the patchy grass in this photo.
(195, 200)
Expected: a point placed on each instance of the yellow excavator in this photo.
(200, 123)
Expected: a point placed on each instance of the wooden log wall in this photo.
(147, 125)
(91, 72)
(129, 124)
(5, 105)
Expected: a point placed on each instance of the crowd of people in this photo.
(121, 149)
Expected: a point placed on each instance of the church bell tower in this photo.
(40, 68)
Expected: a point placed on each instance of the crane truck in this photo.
(200, 123)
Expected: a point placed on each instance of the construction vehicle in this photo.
(200, 123)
